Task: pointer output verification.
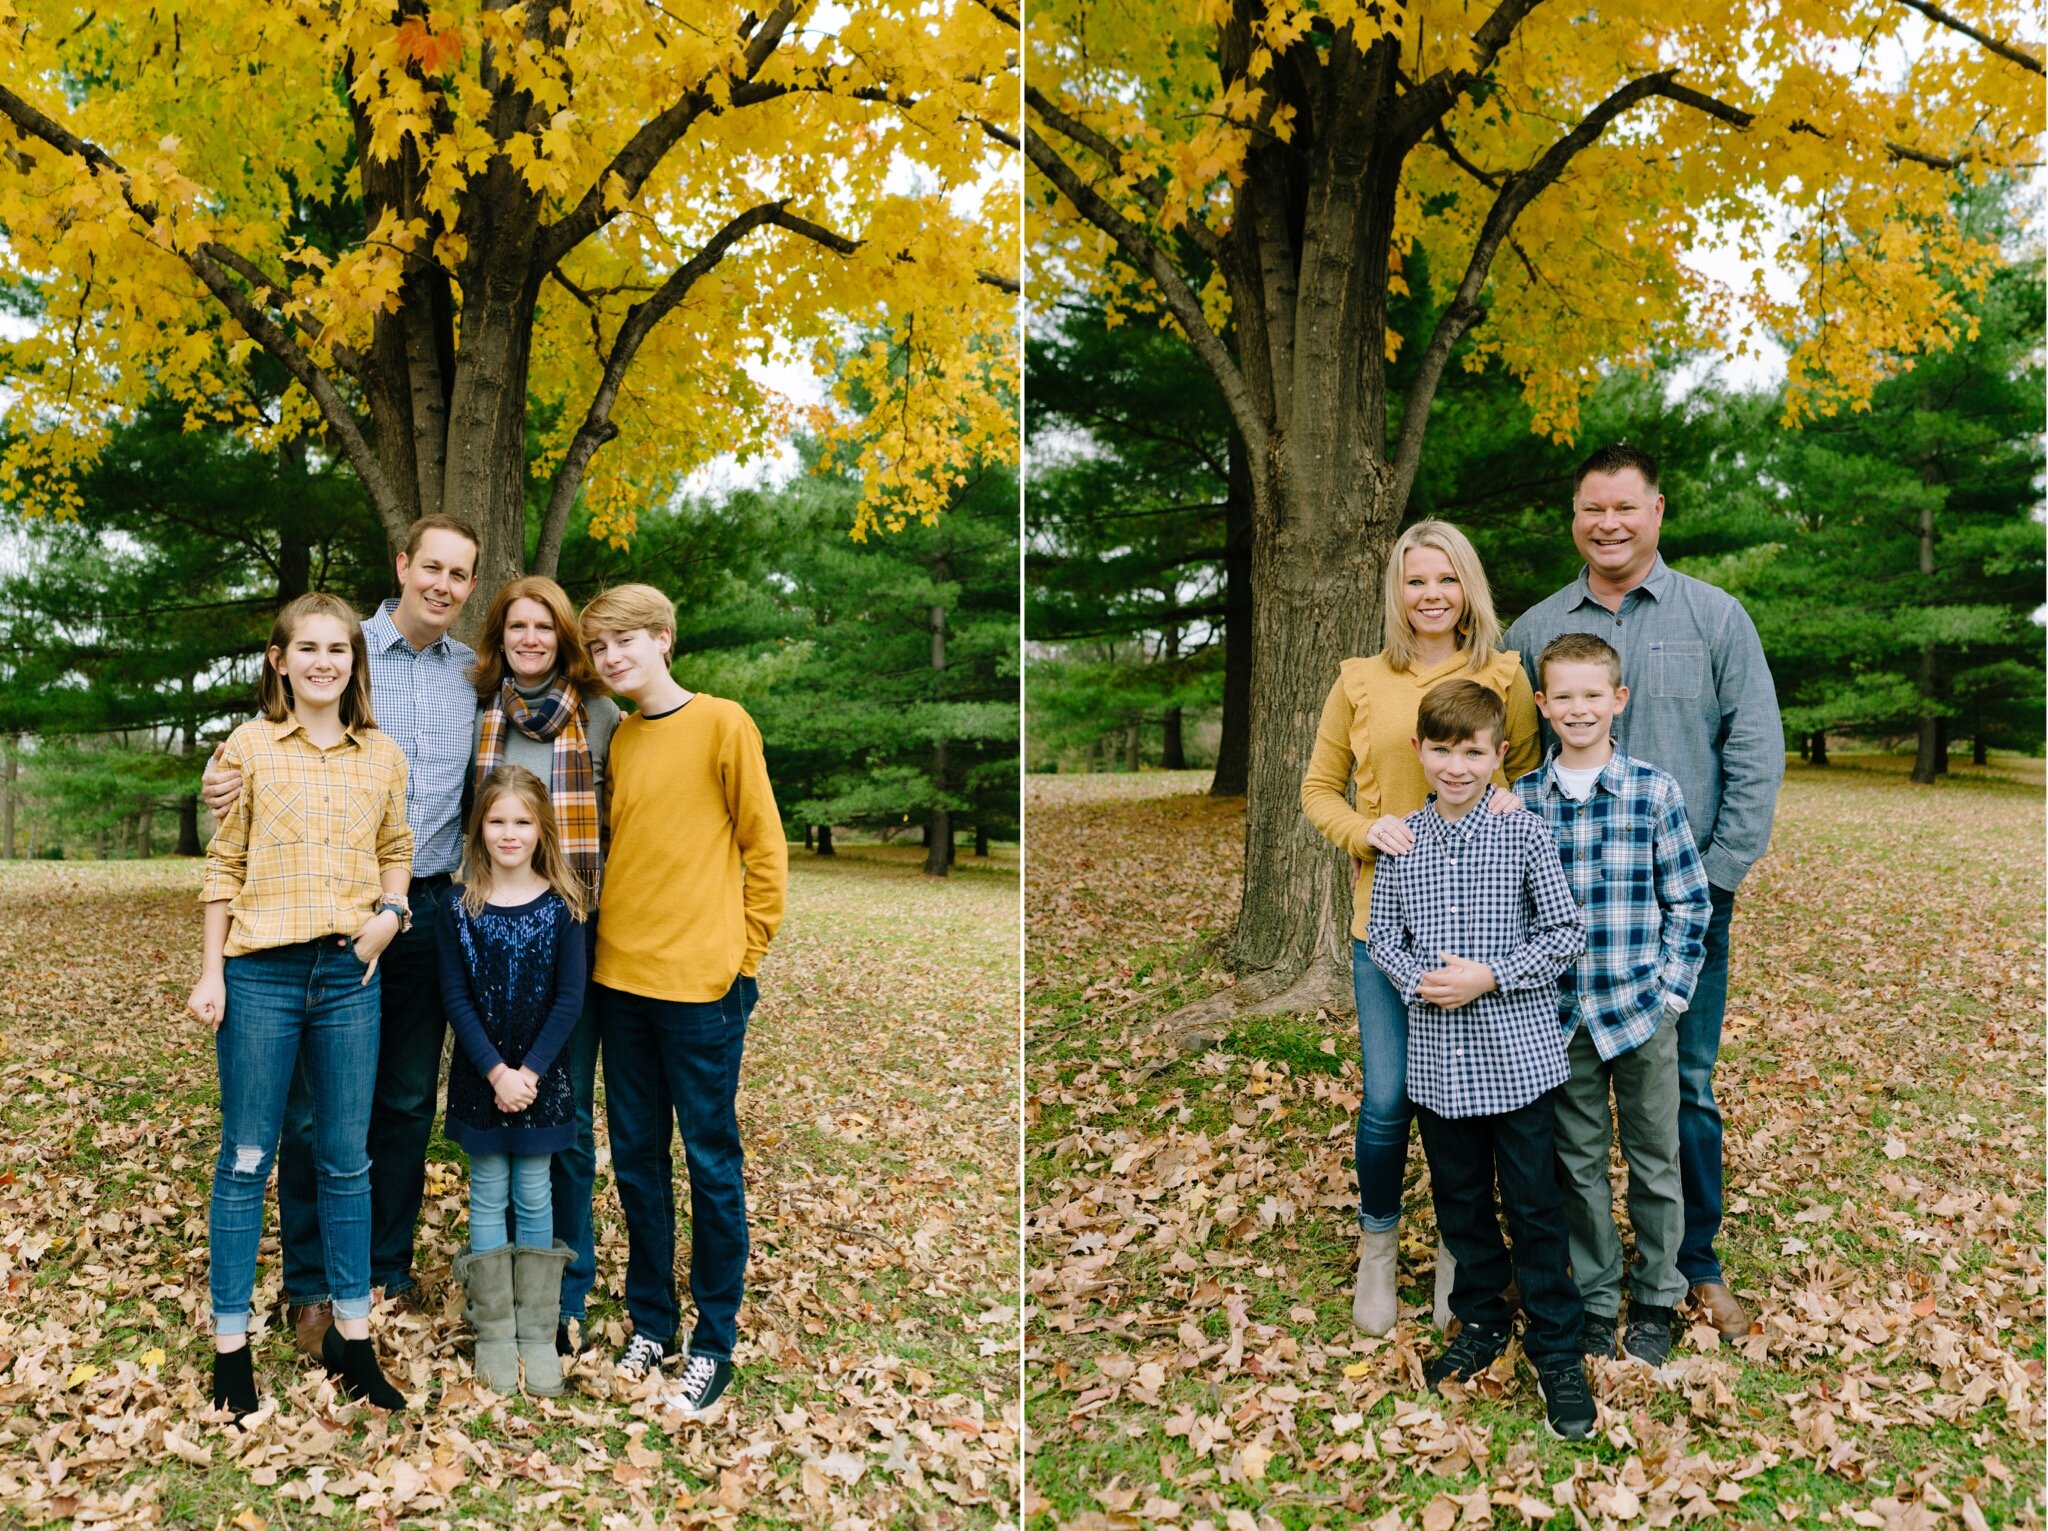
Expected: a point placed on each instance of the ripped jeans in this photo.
(308, 995)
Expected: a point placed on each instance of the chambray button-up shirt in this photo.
(1629, 857)
(1486, 886)
(426, 705)
(1701, 703)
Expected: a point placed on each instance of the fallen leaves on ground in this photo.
(878, 1363)
(1191, 1240)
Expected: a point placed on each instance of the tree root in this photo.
(1208, 1020)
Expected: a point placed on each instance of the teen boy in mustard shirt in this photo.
(693, 893)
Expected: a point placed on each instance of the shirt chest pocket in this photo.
(278, 813)
(1678, 667)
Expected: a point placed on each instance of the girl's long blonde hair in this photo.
(1478, 628)
(477, 866)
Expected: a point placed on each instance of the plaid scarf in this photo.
(572, 787)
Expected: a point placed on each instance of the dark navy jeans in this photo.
(1699, 1119)
(672, 1064)
(1381, 1149)
(412, 1033)
(294, 1012)
(573, 1174)
(1516, 1150)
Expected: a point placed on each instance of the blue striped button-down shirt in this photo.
(425, 703)
(1629, 857)
(1486, 886)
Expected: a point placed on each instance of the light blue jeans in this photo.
(522, 1180)
(305, 1001)
(1384, 1113)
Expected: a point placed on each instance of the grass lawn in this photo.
(878, 1364)
(1190, 1221)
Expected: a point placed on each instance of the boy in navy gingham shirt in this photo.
(1473, 927)
(1633, 867)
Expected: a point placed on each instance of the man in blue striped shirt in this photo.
(1472, 926)
(1628, 854)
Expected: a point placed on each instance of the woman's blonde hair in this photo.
(477, 867)
(572, 659)
(1478, 628)
(274, 691)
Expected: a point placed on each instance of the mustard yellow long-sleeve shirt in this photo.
(698, 870)
(1364, 737)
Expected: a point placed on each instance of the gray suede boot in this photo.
(1446, 1274)
(537, 1304)
(1374, 1304)
(487, 1278)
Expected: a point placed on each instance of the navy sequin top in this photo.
(512, 983)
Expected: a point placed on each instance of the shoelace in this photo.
(1567, 1385)
(641, 1354)
(697, 1375)
(1473, 1350)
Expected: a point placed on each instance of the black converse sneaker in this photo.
(1648, 1336)
(1568, 1411)
(642, 1355)
(1475, 1347)
(702, 1393)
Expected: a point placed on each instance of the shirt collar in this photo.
(1656, 584)
(382, 635)
(1463, 827)
(288, 725)
(1610, 775)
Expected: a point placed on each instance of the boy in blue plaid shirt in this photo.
(1473, 926)
(1629, 856)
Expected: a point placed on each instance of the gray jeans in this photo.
(1645, 1085)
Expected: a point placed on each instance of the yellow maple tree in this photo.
(1265, 174)
(455, 224)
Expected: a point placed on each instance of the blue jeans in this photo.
(575, 1168)
(1699, 1119)
(413, 1031)
(671, 1061)
(294, 1010)
(519, 1181)
(1384, 1114)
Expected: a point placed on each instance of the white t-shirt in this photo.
(1576, 782)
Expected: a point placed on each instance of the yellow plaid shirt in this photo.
(300, 856)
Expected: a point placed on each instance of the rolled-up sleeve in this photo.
(394, 835)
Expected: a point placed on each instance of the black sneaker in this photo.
(1648, 1336)
(1568, 1411)
(702, 1394)
(1476, 1347)
(1596, 1335)
(642, 1355)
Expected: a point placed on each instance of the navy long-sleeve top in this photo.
(512, 982)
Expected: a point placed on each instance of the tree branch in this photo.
(211, 262)
(2004, 50)
(1151, 188)
(1426, 105)
(1181, 300)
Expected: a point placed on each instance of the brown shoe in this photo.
(310, 1323)
(1718, 1305)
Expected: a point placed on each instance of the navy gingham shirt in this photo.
(1486, 886)
(1628, 854)
(425, 703)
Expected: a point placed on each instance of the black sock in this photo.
(234, 1381)
(354, 1364)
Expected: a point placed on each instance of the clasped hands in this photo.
(515, 1088)
(1458, 982)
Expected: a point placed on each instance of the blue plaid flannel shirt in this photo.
(1487, 886)
(1629, 856)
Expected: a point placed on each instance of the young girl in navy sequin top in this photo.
(512, 979)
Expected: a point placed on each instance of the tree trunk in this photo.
(825, 841)
(188, 826)
(1926, 758)
(810, 833)
(981, 840)
(1133, 742)
(1978, 754)
(1172, 756)
(1233, 750)
(1941, 746)
(1818, 747)
(938, 861)
(10, 773)
(145, 831)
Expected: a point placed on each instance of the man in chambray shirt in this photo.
(1703, 709)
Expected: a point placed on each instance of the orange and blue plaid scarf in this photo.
(572, 787)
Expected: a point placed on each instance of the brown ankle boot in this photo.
(310, 1323)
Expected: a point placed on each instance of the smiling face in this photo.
(510, 832)
(1616, 518)
(630, 661)
(317, 662)
(1458, 773)
(433, 583)
(1581, 701)
(530, 641)
(1431, 595)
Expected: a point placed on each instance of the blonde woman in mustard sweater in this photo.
(1439, 626)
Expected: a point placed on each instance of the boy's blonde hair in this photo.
(625, 607)
(1579, 648)
(548, 860)
(1478, 628)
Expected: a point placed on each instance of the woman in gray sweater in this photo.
(540, 705)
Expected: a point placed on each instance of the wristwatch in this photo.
(399, 907)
